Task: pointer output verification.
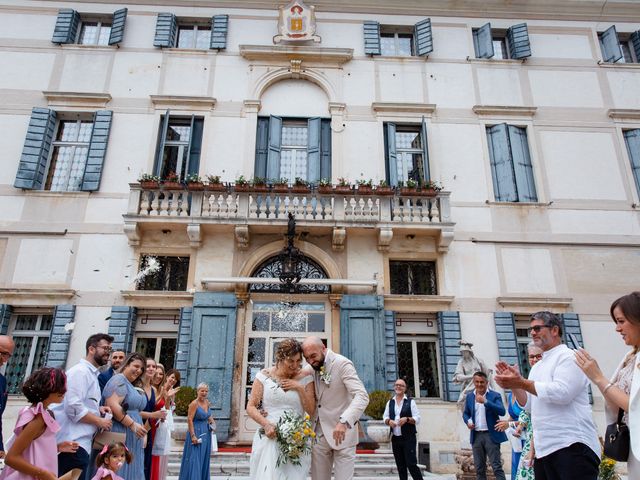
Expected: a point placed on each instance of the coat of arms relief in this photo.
(296, 23)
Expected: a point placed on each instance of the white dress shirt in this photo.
(82, 397)
(480, 417)
(415, 414)
(560, 412)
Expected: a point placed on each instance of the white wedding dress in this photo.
(264, 452)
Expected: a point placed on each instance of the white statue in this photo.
(467, 366)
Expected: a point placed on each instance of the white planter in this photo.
(379, 433)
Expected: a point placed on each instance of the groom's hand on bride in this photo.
(339, 433)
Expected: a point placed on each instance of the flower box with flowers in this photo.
(172, 182)
(280, 186)
(148, 181)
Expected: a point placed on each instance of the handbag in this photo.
(617, 440)
(104, 438)
(214, 442)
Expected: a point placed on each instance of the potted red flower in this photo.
(172, 182)
(148, 181)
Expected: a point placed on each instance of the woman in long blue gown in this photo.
(197, 445)
(126, 402)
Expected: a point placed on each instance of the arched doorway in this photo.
(273, 315)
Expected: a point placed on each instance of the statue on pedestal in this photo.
(467, 366)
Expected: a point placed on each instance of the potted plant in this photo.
(375, 428)
(383, 188)
(431, 188)
(241, 184)
(324, 186)
(365, 187)
(215, 184)
(410, 187)
(149, 181)
(343, 186)
(300, 185)
(183, 398)
(280, 185)
(259, 184)
(194, 182)
(172, 182)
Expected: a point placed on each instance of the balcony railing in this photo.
(246, 208)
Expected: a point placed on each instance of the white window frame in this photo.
(158, 324)
(34, 334)
(195, 28)
(298, 149)
(414, 339)
(396, 33)
(73, 144)
(99, 24)
(401, 153)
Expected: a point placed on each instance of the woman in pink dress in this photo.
(32, 451)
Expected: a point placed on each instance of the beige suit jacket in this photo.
(344, 397)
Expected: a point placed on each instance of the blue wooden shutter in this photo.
(391, 154)
(506, 336)
(325, 148)
(635, 41)
(58, 347)
(162, 135)
(611, 50)
(219, 28)
(66, 29)
(275, 142)
(313, 149)
(262, 147)
(184, 336)
(117, 26)
(571, 324)
(371, 38)
(526, 187)
(632, 138)
(362, 338)
(211, 352)
(390, 348)
(449, 340)
(425, 148)
(483, 41)
(518, 41)
(5, 316)
(122, 326)
(97, 150)
(195, 145)
(35, 153)
(504, 182)
(423, 38)
(166, 30)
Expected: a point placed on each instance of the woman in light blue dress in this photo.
(126, 400)
(196, 456)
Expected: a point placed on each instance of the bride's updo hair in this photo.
(288, 348)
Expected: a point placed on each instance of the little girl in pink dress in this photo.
(32, 451)
(110, 460)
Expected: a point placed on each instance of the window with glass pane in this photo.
(396, 44)
(30, 333)
(69, 156)
(500, 47)
(161, 349)
(94, 33)
(418, 366)
(410, 153)
(163, 273)
(176, 147)
(413, 278)
(293, 154)
(194, 36)
(523, 340)
(288, 317)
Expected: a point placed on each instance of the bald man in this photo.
(6, 350)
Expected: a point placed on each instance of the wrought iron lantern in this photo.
(290, 260)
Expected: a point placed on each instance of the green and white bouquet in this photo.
(295, 437)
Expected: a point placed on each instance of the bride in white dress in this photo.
(284, 387)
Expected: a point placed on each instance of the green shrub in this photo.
(184, 397)
(377, 402)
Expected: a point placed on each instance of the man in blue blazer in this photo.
(482, 407)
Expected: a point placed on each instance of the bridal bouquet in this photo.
(294, 436)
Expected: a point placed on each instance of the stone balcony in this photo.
(334, 213)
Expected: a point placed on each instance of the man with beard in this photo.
(117, 357)
(341, 399)
(6, 350)
(80, 413)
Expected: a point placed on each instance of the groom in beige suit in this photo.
(341, 398)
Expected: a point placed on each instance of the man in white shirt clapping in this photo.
(556, 394)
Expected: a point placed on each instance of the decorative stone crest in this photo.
(296, 23)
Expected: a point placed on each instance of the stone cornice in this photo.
(183, 101)
(624, 114)
(37, 296)
(504, 110)
(403, 108)
(286, 53)
(514, 302)
(77, 99)
(417, 303)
